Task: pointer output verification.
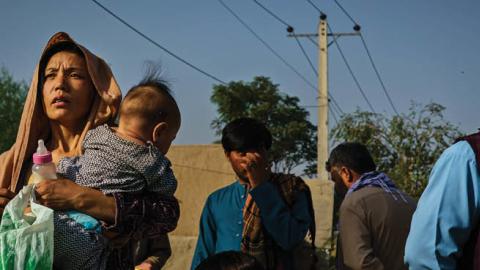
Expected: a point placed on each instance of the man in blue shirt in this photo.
(447, 212)
(263, 214)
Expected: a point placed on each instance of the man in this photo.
(263, 214)
(444, 233)
(374, 216)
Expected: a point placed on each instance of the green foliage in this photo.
(12, 98)
(294, 137)
(406, 146)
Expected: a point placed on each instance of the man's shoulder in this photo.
(460, 148)
(220, 193)
(371, 196)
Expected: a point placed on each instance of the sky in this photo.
(425, 51)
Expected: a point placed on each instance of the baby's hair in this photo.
(151, 99)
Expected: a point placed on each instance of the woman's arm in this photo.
(144, 215)
(62, 194)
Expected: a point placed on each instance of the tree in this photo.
(294, 137)
(12, 98)
(405, 146)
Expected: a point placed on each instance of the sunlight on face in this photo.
(68, 90)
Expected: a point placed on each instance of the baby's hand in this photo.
(27, 210)
(143, 266)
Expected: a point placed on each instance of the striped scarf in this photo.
(254, 239)
(376, 179)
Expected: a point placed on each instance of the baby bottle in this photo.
(43, 167)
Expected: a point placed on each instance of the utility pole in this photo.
(322, 126)
(323, 100)
(322, 189)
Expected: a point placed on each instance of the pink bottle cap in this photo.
(42, 155)
(42, 159)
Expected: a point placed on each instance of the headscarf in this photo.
(34, 124)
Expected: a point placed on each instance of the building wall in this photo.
(202, 169)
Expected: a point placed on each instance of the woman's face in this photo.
(68, 90)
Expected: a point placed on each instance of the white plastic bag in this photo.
(26, 242)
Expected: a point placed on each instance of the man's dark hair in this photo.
(230, 260)
(245, 133)
(352, 155)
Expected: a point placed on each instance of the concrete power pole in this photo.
(322, 189)
(322, 126)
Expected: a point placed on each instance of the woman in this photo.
(73, 91)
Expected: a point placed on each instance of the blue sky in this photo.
(425, 50)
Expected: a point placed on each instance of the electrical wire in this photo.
(306, 56)
(312, 40)
(345, 11)
(267, 46)
(271, 13)
(315, 6)
(377, 73)
(337, 109)
(332, 113)
(351, 72)
(290, 29)
(158, 45)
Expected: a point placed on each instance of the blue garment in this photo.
(447, 211)
(221, 222)
(376, 179)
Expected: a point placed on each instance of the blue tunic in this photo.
(221, 222)
(447, 211)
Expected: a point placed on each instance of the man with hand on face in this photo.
(263, 214)
(374, 216)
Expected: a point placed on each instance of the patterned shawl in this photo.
(376, 179)
(34, 124)
(254, 239)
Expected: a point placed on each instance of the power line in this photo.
(337, 109)
(306, 56)
(332, 113)
(346, 13)
(271, 13)
(158, 45)
(332, 107)
(378, 75)
(289, 29)
(315, 6)
(267, 46)
(312, 40)
(351, 72)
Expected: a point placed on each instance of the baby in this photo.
(130, 158)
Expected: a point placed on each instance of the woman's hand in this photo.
(62, 194)
(58, 194)
(5, 196)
